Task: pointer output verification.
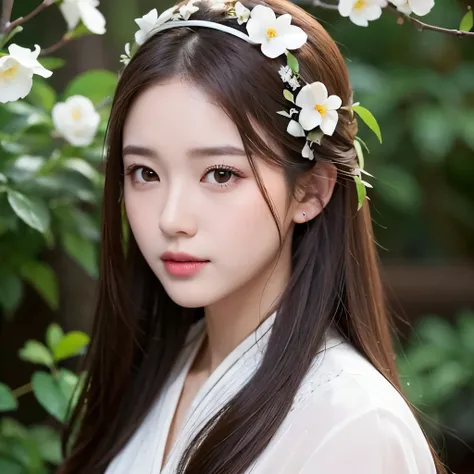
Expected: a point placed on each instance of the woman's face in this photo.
(190, 194)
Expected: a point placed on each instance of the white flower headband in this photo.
(313, 112)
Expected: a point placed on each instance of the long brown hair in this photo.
(335, 277)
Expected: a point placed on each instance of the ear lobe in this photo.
(315, 192)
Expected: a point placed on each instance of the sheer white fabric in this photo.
(345, 418)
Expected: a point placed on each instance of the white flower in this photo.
(76, 120)
(276, 35)
(418, 7)
(85, 10)
(317, 109)
(16, 72)
(242, 13)
(125, 58)
(150, 21)
(188, 9)
(307, 152)
(285, 73)
(294, 83)
(295, 129)
(217, 4)
(361, 12)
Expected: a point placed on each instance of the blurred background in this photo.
(420, 87)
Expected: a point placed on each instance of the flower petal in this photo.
(319, 91)
(329, 122)
(265, 16)
(305, 97)
(345, 7)
(295, 37)
(273, 48)
(333, 102)
(309, 118)
(358, 19)
(307, 152)
(295, 129)
(71, 14)
(18, 88)
(372, 12)
(147, 22)
(92, 18)
(421, 7)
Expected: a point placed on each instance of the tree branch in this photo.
(402, 17)
(425, 26)
(7, 6)
(64, 40)
(23, 19)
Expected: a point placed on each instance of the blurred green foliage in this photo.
(36, 449)
(437, 373)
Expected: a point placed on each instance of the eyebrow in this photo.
(192, 152)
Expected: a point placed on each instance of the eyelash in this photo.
(133, 168)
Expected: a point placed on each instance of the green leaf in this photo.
(96, 85)
(42, 95)
(82, 251)
(467, 21)
(8, 401)
(369, 120)
(54, 335)
(361, 192)
(11, 291)
(83, 167)
(363, 144)
(360, 154)
(71, 345)
(49, 395)
(33, 211)
(292, 62)
(288, 95)
(49, 443)
(316, 136)
(10, 466)
(36, 352)
(44, 280)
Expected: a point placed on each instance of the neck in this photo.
(231, 320)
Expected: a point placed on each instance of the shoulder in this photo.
(355, 419)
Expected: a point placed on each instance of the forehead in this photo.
(177, 114)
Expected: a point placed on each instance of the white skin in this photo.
(179, 199)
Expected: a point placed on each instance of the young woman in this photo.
(240, 325)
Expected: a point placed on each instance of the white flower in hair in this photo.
(418, 7)
(294, 83)
(307, 152)
(317, 109)
(188, 9)
(276, 35)
(285, 73)
(217, 5)
(150, 21)
(360, 12)
(242, 13)
(16, 72)
(125, 58)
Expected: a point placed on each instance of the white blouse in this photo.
(346, 417)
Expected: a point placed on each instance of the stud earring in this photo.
(304, 215)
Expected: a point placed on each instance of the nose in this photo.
(177, 216)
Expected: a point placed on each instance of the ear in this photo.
(314, 191)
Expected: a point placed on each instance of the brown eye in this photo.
(144, 175)
(222, 176)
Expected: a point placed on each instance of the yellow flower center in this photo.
(271, 33)
(9, 73)
(360, 4)
(321, 109)
(76, 114)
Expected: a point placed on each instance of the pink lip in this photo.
(182, 264)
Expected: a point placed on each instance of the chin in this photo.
(191, 294)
